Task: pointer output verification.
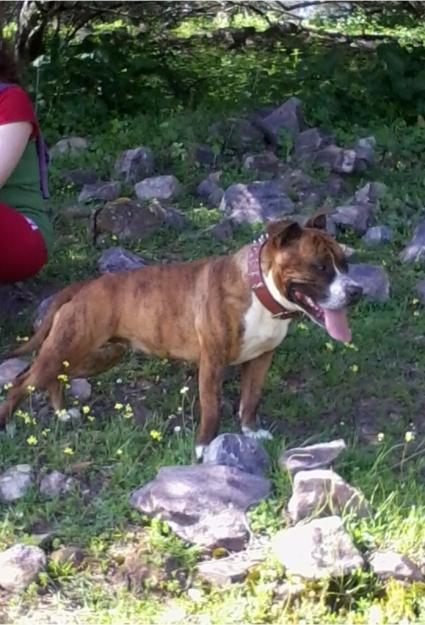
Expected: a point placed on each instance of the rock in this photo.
(320, 548)
(232, 569)
(322, 492)
(265, 163)
(256, 201)
(415, 249)
(237, 135)
(357, 217)
(210, 192)
(236, 450)
(55, 484)
(15, 482)
(100, 191)
(119, 259)
(373, 280)
(72, 414)
(158, 187)
(80, 177)
(338, 160)
(386, 564)
(135, 164)
(378, 234)
(205, 155)
(312, 457)
(130, 220)
(309, 142)
(68, 555)
(41, 310)
(77, 211)
(370, 192)
(10, 368)
(287, 117)
(222, 230)
(335, 186)
(20, 565)
(420, 289)
(209, 510)
(68, 146)
(365, 153)
(80, 388)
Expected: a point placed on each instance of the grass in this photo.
(370, 393)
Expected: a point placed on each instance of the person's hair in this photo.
(8, 66)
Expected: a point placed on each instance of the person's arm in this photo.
(14, 138)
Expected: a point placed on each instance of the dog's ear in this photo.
(284, 231)
(318, 221)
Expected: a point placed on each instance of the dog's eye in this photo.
(320, 266)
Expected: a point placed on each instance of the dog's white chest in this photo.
(262, 332)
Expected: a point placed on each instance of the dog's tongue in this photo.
(337, 325)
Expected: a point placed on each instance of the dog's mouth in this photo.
(334, 321)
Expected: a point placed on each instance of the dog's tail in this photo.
(41, 333)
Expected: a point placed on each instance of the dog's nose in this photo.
(354, 292)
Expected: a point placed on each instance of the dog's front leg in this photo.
(253, 374)
(210, 379)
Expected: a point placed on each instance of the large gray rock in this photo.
(10, 368)
(365, 153)
(322, 492)
(119, 259)
(19, 566)
(210, 191)
(236, 450)
(371, 192)
(377, 235)
(68, 146)
(309, 142)
(318, 456)
(338, 160)
(15, 482)
(100, 192)
(55, 484)
(356, 217)
(233, 568)
(321, 548)
(415, 249)
(286, 118)
(386, 564)
(373, 280)
(256, 202)
(265, 164)
(135, 164)
(238, 135)
(203, 504)
(158, 187)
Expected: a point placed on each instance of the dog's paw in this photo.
(199, 452)
(260, 434)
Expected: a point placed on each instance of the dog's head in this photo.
(309, 270)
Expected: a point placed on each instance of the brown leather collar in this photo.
(256, 280)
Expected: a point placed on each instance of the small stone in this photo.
(357, 217)
(373, 280)
(256, 202)
(41, 310)
(365, 153)
(420, 289)
(338, 160)
(237, 135)
(80, 388)
(222, 230)
(158, 187)
(320, 548)
(318, 456)
(119, 259)
(20, 565)
(322, 492)
(287, 117)
(135, 164)
(55, 484)
(68, 146)
(72, 414)
(210, 192)
(15, 482)
(68, 555)
(10, 368)
(370, 192)
(309, 142)
(387, 564)
(236, 450)
(234, 568)
(100, 191)
(378, 234)
(265, 163)
(415, 249)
